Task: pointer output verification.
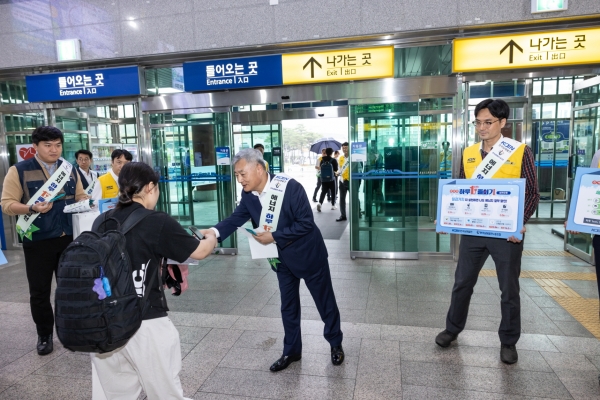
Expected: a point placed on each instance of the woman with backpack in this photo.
(329, 167)
(151, 359)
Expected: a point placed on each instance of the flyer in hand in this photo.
(584, 212)
(481, 207)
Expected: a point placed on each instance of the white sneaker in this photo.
(319, 207)
(333, 208)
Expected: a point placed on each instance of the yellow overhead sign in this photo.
(530, 50)
(338, 65)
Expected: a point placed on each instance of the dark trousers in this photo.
(596, 245)
(41, 262)
(474, 250)
(319, 285)
(317, 188)
(344, 187)
(328, 188)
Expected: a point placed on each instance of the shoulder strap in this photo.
(134, 218)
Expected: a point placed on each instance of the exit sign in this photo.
(541, 6)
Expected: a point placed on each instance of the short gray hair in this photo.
(251, 156)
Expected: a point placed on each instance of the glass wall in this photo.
(586, 140)
(193, 188)
(551, 120)
(423, 61)
(13, 92)
(394, 192)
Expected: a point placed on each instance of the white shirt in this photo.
(262, 196)
(97, 192)
(90, 176)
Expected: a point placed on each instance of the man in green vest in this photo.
(494, 157)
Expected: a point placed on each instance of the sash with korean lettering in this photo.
(499, 154)
(48, 191)
(271, 208)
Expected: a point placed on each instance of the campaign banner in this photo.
(232, 73)
(584, 213)
(223, 156)
(358, 152)
(476, 207)
(84, 84)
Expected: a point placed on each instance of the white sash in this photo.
(48, 191)
(91, 187)
(499, 154)
(269, 216)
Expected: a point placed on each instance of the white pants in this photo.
(151, 360)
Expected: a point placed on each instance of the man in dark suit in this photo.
(302, 254)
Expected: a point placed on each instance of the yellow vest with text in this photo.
(510, 169)
(346, 173)
(110, 188)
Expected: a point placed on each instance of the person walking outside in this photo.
(328, 168)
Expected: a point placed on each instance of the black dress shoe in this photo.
(508, 354)
(337, 355)
(444, 338)
(45, 345)
(315, 200)
(284, 362)
(341, 219)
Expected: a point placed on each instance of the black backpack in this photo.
(83, 321)
(326, 171)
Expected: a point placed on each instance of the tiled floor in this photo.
(231, 332)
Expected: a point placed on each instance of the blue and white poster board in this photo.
(105, 205)
(481, 207)
(3, 259)
(584, 212)
(358, 152)
(223, 156)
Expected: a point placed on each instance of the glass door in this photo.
(585, 120)
(386, 185)
(408, 148)
(269, 135)
(75, 128)
(194, 189)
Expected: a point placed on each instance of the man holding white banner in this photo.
(280, 212)
(495, 157)
(37, 190)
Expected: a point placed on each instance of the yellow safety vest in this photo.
(346, 173)
(109, 186)
(510, 169)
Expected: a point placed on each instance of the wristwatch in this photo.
(31, 208)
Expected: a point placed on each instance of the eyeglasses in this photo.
(487, 124)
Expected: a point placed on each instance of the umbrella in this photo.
(324, 143)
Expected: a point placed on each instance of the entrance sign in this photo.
(478, 207)
(529, 50)
(584, 213)
(87, 84)
(338, 65)
(232, 73)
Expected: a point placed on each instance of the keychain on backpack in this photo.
(105, 283)
(102, 286)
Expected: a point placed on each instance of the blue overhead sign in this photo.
(232, 73)
(82, 85)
